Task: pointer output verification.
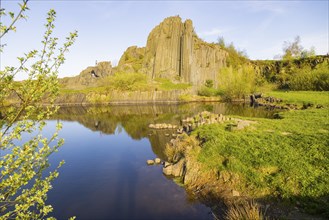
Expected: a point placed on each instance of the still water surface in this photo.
(105, 175)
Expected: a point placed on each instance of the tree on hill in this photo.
(25, 176)
(221, 42)
(236, 57)
(294, 50)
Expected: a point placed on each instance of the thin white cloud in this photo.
(266, 23)
(266, 52)
(259, 6)
(213, 32)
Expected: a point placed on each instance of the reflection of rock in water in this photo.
(159, 139)
(135, 119)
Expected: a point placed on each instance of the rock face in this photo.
(89, 76)
(174, 51)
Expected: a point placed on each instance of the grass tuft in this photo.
(244, 211)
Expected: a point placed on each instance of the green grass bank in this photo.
(285, 159)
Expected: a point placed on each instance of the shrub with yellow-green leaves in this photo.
(25, 176)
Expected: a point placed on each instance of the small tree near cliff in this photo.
(24, 177)
(221, 42)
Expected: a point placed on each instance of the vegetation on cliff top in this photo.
(235, 57)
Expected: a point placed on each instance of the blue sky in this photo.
(107, 28)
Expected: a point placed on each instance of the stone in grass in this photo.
(150, 162)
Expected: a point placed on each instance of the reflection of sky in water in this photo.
(106, 177)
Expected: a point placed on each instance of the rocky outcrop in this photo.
(131, 60)
(89, 77)
(174, 51)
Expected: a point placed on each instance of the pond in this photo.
(105, 175)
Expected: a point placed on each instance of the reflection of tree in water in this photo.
(209, 108)
(125, 188)
(135, 119)
(136, 125)
(243, 109)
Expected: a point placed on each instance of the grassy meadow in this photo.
(285, 158)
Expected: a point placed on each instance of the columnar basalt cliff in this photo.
(174, 51)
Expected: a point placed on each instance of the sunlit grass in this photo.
(84, 91)
(286, 158)
(301, 97)
(166, 84)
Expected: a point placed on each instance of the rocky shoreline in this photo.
(177, 163)
(218, 189)
(276, 103)
(211, 187)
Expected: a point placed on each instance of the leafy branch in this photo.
(24, 181)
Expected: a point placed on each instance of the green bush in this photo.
(308, 79)
(209, 83)
(238, 82)
(206, 91)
